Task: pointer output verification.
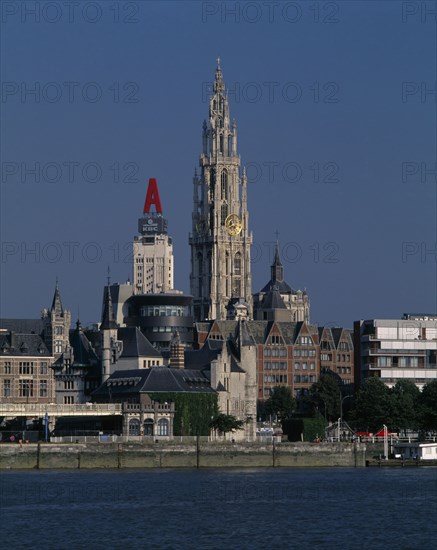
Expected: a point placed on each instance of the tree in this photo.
(428, 406)
(281, 402)
(373, 405)
(326, 395)
(404, 402)
(225, 423)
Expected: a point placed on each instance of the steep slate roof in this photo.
(154, 380)
(273, 300)
(23, 326)
(84, 354)
(15, 344)
(202, 359)
(82, 350)
(336, 334)
(108, 320)
(283, 287)
(135, 344)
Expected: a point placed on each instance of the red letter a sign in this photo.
(152, 197)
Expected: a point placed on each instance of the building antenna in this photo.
(109, 275)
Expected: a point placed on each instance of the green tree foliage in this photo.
(193, 411)
(428, 407)
(326, 395)
(281, 402)
(404, 403)
(225, 423)
(373, 405)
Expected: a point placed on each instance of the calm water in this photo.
(324, 508)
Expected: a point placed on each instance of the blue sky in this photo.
(336, 122)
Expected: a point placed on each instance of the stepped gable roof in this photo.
(135, 344)
(23, 326)
(154, 380)
(22, 345)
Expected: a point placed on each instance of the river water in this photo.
(372, 508)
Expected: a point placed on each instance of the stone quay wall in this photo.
(168, 455)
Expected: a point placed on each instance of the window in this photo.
(297, 377)
(224, 185)
(43, 368)
(384, 361)
(25, 388)
(224, 213)
(134, 427)
(59, 331)
(43, 388)
(304, 366)
(8, 367)
(25, 367)
(305, 341)
(68, 400)
(148, 427)
(237, 264)
(7, 385)
(69, 385)
(312, 366)
(267, 352)
(162, 426)
(297, 366)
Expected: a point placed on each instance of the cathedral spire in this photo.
(219, 85)
(108, 321)
(220, 239)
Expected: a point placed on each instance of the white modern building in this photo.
(395, 349)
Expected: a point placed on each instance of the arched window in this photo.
(237, 264)
(148, 427)
(224, 213)
(162, 426)
(224, 185)
(134, 427)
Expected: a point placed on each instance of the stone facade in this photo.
(220, 239)
(288, 354)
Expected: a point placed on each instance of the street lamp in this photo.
(341, 405)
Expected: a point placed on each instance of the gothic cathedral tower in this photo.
(220, 240)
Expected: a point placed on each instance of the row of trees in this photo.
(400, 408)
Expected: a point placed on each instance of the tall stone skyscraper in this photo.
(220, 240)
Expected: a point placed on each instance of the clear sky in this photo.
(336, 122)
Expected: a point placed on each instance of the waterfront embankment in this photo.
(176, 455)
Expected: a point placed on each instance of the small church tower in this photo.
(57, 322)
(108, 332)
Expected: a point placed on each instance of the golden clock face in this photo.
(233, 224)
